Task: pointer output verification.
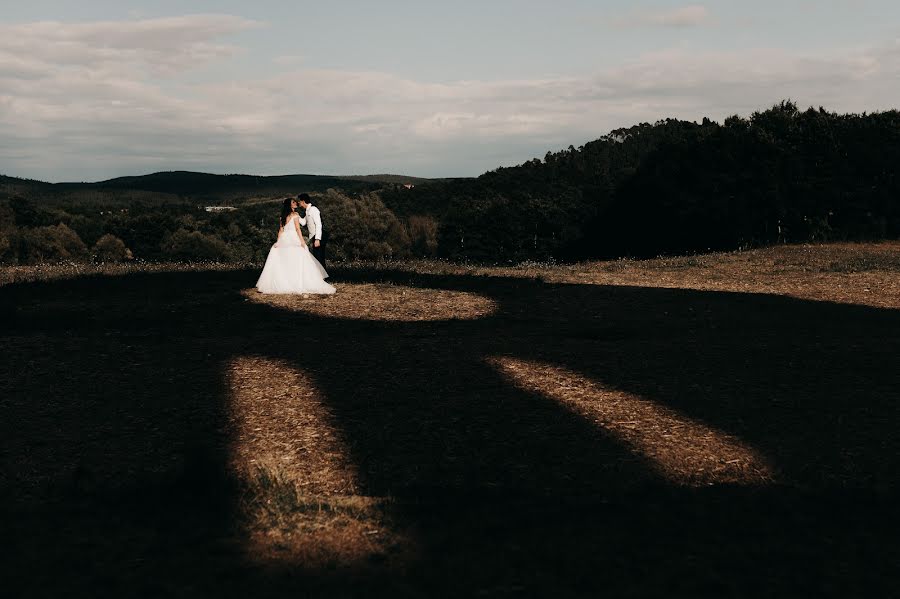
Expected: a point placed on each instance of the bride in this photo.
(290, 267)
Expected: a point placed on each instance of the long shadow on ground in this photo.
(114, 439)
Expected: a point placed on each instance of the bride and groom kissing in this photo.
(292, 265)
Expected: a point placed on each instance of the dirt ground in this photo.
(712, 425)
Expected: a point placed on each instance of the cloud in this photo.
(288, 60)
(163, 46)
(694, 15)
(133, 110)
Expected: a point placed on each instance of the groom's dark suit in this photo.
(318, 252)
(313, 222)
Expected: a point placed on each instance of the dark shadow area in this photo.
(114, 438)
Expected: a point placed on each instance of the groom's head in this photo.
(303, 199)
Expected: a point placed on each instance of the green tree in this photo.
(6, 247)
(50, 243)
(110, 248)
(423, 234)
(194, 246)
(361, 228)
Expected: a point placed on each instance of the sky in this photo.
(91, 90)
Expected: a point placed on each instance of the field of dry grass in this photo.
(854, 273)
(713, 425)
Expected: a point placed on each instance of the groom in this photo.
(313, 223)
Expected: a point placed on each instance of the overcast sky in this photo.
(95, 89)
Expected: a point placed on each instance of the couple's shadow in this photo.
(504, 488)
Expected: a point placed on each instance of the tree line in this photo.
(359, 227)
(782, 175)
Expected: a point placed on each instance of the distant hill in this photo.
(396, 179)
(205, 187)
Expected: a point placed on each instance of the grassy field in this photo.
(716, 425)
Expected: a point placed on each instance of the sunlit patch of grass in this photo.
(682, 450)
(277, 497)
(301, 500)
(384, 302)
(281, 423)
(283, 524)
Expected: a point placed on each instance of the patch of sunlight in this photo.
(384, 302)
(682, 450)
(302, 501)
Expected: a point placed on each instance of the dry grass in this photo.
(284, 525)
(863, 274)
(854, 273)
(281, 424)
(302, 497)
(866, 274)
(682, 450)
(717, 425)
(72, 270)
(382, 302)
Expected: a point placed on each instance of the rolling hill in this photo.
(187, 185)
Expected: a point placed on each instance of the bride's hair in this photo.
(286, 210)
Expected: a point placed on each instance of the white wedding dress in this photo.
(291, 268)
